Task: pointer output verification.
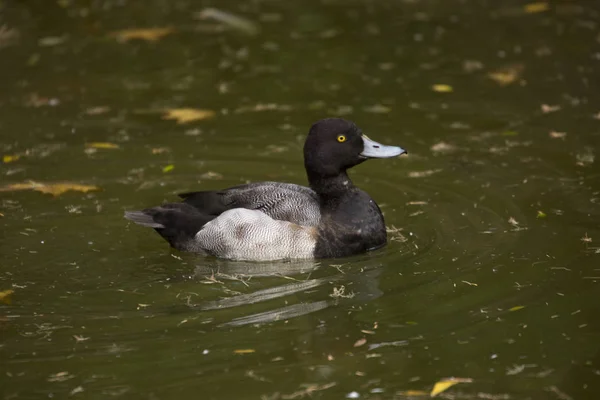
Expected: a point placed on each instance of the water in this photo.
(491, 272)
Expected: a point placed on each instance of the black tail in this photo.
(177, 223)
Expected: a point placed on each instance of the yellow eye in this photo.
(341, 138)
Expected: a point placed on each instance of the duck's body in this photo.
(271, 220)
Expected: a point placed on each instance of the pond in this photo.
(491, 275)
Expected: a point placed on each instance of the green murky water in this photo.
(492, 273)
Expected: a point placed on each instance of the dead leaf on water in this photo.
(147, 34)
(533, 8)
(360, 342)
(6, 296)
(443, 147)
(377, 109)
(445, 384)
(541, 214)
(101, 145)
(54, 189)
(516, 308)
(244, 351)
(185, 115)
(230, 20)
(442, 88)
(548, 108)
(423, 174)
(413, 393)
(10, 158)
(558, 135)
(507, 75)
(97, 110)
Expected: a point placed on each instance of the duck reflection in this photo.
(314, 286)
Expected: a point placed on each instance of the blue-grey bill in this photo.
(372, 149)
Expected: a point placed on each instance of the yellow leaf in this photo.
(533, 8)
(54, 189)
(540, 214)
(445, 384)
(516, 308)
(5, 296)
(168, 168)
(10, 158)
(441, 88)
(413, 393)
(244, 351)
(507, 75)
(185, 115)
(102, 145)
(148, 34)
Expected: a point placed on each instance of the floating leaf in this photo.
(185, 115)
(445, 384)
(548, 108)
(516, 308)
(10, 158)
(51, 41)
(360, 342)
(558, 135)
(6, 296)
(413, 393)
(149, 34)
(244, 351)
(507, 75)
(533, 8)
(101, 145)
(231, 20)
(442, 88)
(54, 189)
(168, 168)
(540, 214)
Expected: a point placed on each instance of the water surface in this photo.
(492, 269)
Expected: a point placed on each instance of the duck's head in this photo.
(334, 144)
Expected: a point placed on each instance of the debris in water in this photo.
(377, 109)
(244, 351)
(6, 296)
(533, 8)
(507, 75)
(423, 174)
(541, 214)
(442, 147)
(231, 20)
(10, 158)
(558, 135)
(149, 34)
(168, 168)
(54, 189)
(516, 308)
(185, 115)
(442, 88)
(586, 239)
(548, 108)
(101, 145)
(360, 342)
(447, 383)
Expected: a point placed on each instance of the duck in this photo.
(269, 221)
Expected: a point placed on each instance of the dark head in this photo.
(333, 145)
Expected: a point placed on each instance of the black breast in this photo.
(350, 224)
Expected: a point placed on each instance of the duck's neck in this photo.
(330, 186)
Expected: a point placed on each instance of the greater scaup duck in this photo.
(272, 221)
